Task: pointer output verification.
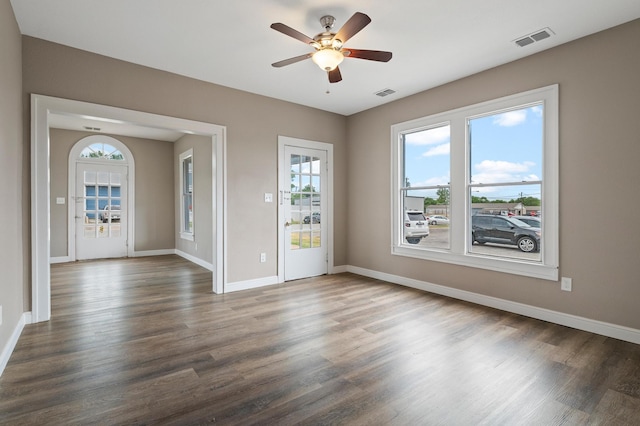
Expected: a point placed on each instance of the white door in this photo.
(101, 211)
(305, 213)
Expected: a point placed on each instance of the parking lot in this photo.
(439, 239)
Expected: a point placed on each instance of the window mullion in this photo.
(459, 167)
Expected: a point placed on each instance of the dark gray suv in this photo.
(487, 228)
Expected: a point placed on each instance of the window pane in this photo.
(507, 147)
(507, 228)
(103, 151)
(426, 157)
(103, 178)
(427, 211)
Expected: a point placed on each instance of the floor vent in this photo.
(385, 92)
(533, 37)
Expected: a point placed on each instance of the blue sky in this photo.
(505, 147)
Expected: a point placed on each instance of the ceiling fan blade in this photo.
(291, 60)
(350, 28)
(284, 29)
(335, 75)
(371, 55)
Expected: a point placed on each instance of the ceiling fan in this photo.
(329, 50)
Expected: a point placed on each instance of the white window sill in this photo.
(509, 266)
(187, 236)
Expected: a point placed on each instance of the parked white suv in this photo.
(415, 226)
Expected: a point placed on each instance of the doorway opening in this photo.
(44, 109)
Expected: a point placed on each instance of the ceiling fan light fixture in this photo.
(327, 59)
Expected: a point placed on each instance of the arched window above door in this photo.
(102, 150)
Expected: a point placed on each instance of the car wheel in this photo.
(527, 244)
(433, 222)
(413, 240)
(478, 241)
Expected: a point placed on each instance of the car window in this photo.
(482, 221)
(499, 222)
(519, 223)
(415, 216)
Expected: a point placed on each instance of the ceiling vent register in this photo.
(534, 37)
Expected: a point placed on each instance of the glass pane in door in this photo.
(305, 224)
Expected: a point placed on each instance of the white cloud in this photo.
(490, 171)
(537, 110)
(428, 137)
(511, 118)
(438, 180)
(438, 150)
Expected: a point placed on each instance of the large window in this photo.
(186, 185)
(478, 186)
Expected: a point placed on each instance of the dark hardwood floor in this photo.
(145, 341)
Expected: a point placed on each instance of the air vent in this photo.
(385, 92)
(525, 41)
(534, 37)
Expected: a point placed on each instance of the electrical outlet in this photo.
(565, 284)
(263, 257)
(268, 197)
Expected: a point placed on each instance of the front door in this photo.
(101, 211)
(305, 213)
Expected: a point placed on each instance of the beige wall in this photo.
(202, 245)
(154, 213)
(253, 124)
(12, 214)
(599, 177)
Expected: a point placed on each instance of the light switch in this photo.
(60, 200)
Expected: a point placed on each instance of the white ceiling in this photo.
(230, 42)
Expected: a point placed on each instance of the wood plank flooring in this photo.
(145, 341)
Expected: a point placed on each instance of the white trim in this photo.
(145, 253)
(585, 324)
(25, 319)
(60, 259)
(339, 269)
(283, 180)
(195, 260)
(249, 284)
(41, 108)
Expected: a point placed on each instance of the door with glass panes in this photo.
(305, 207)
(101, 211)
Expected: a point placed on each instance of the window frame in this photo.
(459, 252)
(184, 233)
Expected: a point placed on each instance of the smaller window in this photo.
(102, 151)
(186, 185)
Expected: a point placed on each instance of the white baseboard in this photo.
(59, 259)
(162, 252)
(195, 260)
(246, 285)
(13, 340)
(598, 327)
(339, 269)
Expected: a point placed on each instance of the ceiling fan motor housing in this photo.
(327, 22)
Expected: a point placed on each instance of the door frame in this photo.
(74, 159)
(284, 179)
(42, 108)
